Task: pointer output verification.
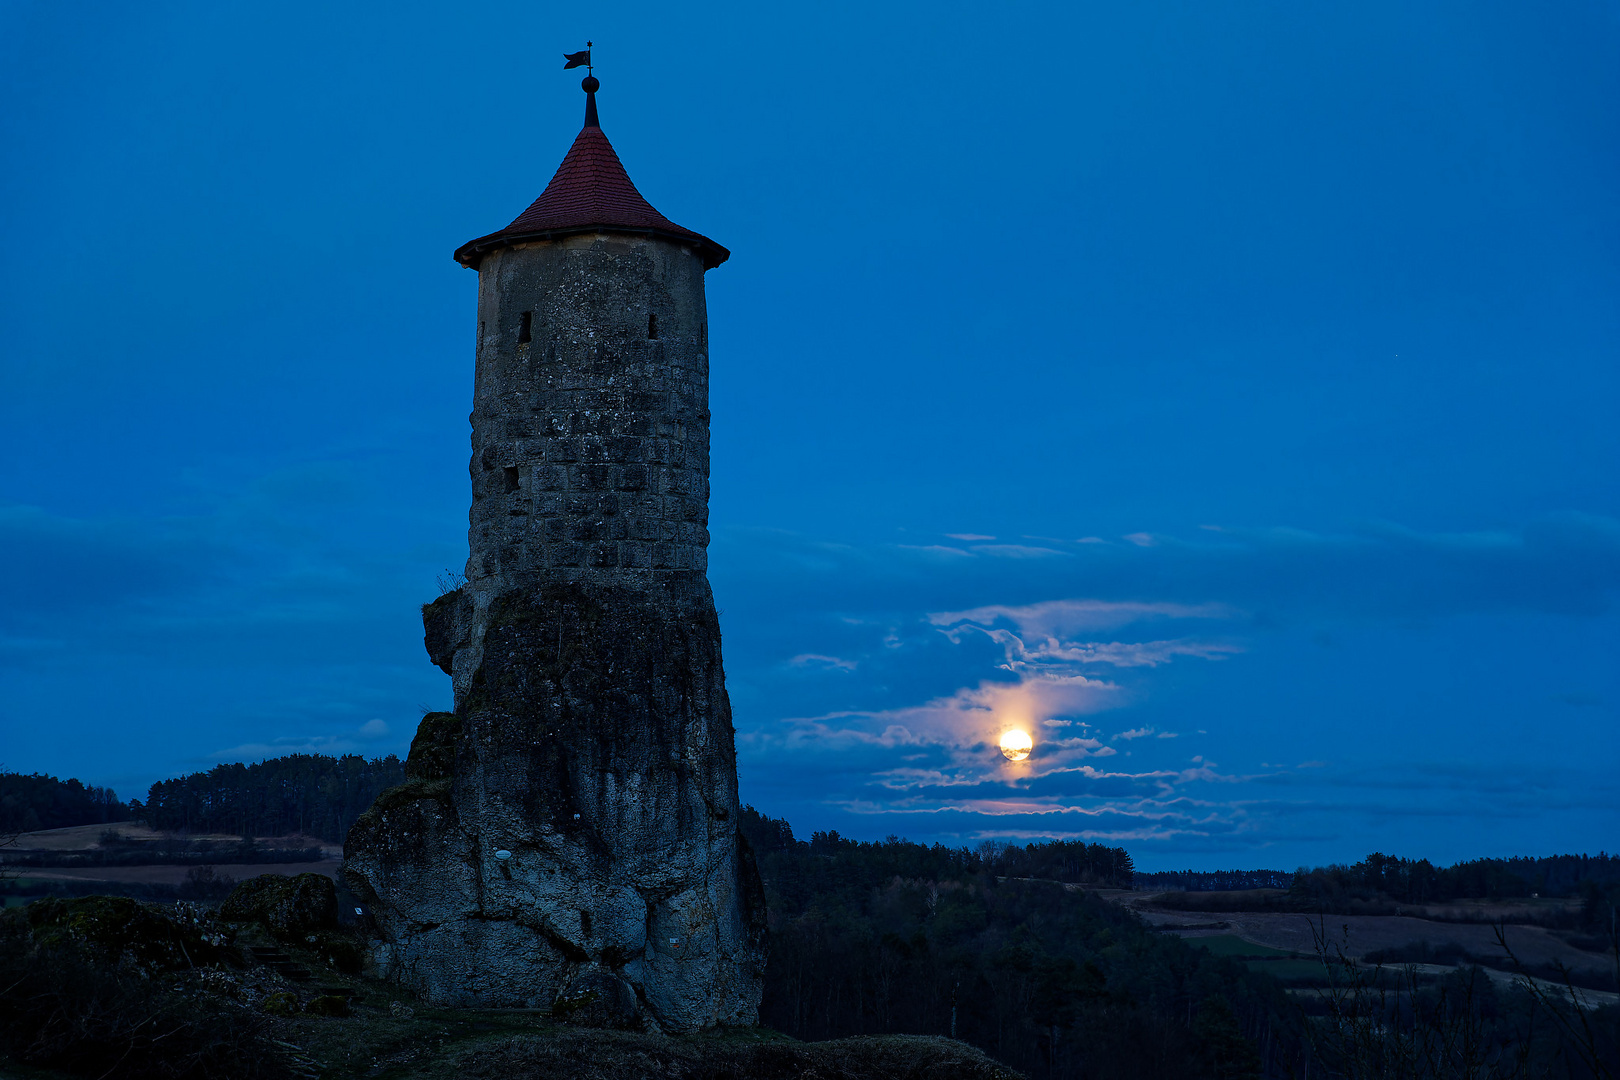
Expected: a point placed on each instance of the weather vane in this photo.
(579, 59)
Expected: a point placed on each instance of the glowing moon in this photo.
(1016, 745)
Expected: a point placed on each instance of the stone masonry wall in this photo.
(591, 439)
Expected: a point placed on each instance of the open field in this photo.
(1288, 967)
(168, 874)
(1531, 909)
(85, 837)
(85, 840)
(1361, 934)
(88, 838)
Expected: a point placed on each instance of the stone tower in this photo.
(568, 838)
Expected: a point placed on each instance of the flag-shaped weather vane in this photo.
(579, 59)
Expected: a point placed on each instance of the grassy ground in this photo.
(390, 1036)
(1234, 946)
(445, 1044)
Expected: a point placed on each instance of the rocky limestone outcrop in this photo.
(567, 838)
(289, 907)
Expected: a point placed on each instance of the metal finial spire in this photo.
(588, 84)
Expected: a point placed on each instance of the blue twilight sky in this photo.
(1225, 392)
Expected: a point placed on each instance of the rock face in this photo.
(567, 837)
(595, 748)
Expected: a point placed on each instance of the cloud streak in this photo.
(943, 753)
(1567, 564)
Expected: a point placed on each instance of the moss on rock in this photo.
(395, 797)
(329, 1005)
(121, 928)
(433, 751)
(288, 907)
(281, 1003)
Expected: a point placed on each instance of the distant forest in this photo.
(989, 946)
(1409, 881)
(311, 794)
(1005, 948)
(1418, 881)
(32, 801)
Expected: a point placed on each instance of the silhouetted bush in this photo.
(1395, 1024)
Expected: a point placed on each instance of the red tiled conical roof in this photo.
(591, 192)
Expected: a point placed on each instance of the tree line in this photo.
(1381, 877)
(1418, 881)
(1072, 861)
(1215, 880)
(311, 794)
(33, 801)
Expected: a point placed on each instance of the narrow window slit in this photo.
(524, 321)
(511, 472)
(652, 326)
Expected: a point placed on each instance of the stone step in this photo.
(336, 991)
(280, 962)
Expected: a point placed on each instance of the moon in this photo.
(1016, 745)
